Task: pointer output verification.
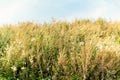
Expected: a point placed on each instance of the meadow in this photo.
(60, 50)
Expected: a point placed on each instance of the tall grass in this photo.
(80, 50)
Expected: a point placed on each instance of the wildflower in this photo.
(23, 68)
(31, 59)
(14, 68)
(81, 43)
(33, 39)
(100, 47)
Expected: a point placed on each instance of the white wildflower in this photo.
(14, 68)
(33, 39)
(108, 44)
(81, 43)
(31, 59)
(23, 68)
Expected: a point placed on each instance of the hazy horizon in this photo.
(14, 11)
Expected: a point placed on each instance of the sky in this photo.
(15, 11)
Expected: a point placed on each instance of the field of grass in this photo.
(78, 50)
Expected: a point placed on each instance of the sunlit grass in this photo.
(80, 50)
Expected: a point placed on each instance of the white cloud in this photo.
(8, 11)
(98, 12)
(42, 10)
(104, 9)
(22, 10)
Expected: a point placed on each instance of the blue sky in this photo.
(14, 11)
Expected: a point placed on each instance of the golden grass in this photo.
(80, 50)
